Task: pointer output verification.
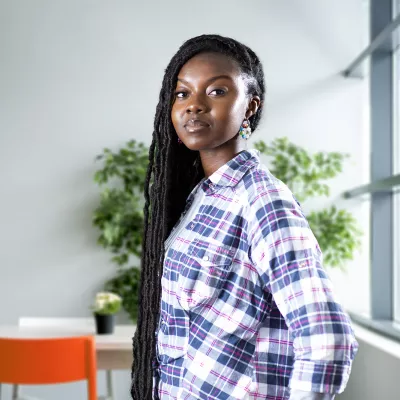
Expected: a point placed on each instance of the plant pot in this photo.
(105, 324)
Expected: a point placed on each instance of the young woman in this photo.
(234, 301)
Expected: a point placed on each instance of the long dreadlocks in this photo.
(173, 172)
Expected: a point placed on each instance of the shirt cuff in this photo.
(319, 377)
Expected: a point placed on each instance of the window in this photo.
(383, 55)
(396, 171)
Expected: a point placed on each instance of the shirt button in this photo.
(191, 226)
(206, 258)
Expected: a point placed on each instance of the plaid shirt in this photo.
(247, 310)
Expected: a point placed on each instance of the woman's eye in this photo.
(180, 95)
(217, 92)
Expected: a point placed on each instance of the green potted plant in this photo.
(106, 306)
(119, 217)
(306, 174)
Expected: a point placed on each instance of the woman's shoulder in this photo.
(269, 203)
(259, 184)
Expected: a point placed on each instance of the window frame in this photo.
(383, 189)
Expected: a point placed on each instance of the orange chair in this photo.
(49, 361)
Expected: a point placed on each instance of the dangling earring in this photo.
(179, 140)
(245, 130)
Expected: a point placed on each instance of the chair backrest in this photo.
(49, 361)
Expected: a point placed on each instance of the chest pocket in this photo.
(204, 273)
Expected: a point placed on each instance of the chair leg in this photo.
(15, 392)
(110, 386)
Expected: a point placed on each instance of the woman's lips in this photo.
(195, 125)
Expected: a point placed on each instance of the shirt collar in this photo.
(231, 173)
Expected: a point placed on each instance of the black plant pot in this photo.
(104, 324)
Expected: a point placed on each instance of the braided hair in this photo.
(173, 172)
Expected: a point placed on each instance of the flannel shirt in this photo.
(247, 310)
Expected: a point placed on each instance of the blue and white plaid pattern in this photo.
(247, 310)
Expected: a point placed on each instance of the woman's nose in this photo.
(194, 108)
(196, 105)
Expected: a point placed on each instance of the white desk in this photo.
(113, 351)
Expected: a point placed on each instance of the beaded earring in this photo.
(245, 130)
(179, 141)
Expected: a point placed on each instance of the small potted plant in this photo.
(106, 305)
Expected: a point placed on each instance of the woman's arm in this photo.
(289, 261)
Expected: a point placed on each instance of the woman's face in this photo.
(210, 102)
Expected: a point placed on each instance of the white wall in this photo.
(376, 368)
(375, 375)
(79, 75)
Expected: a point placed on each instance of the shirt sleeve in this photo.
(289, 261)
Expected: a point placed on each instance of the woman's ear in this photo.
(254, 105)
